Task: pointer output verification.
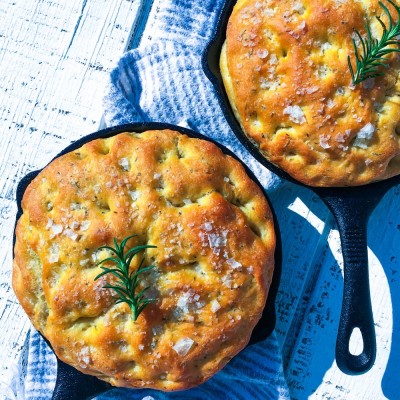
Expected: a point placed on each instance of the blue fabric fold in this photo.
(40, 368)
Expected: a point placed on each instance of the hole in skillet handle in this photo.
(361, 316)
(72, 384)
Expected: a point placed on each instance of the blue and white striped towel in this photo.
(162, 80)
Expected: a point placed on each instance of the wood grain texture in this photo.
(55, 57)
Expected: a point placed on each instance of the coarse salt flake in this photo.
(134, 194)
(273, 59)
(262, 53)
(74, 225)
(215, 306)
(323, 141)
(54, 253)
(200, 304)
(179, 228)
(216, 241)
(97, 188)
(84, 356)
(244, 15)
(124, 163)
(233, 263)
(183, 302)
(331, 104)
(269, 12)
(295, 114)
(299, 7)
(302, 25)
(341, 137)
(364, 136)
(227, 281)
(182, 346)
(71, 234)
(85, 225)
(268, 84)
(312, 90)
(75, 206)
(325, 46)
(55, 229)
(207, 226)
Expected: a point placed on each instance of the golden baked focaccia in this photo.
(215, 242)
(285, 70)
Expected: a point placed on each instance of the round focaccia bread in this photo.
(285, 70)
(214, 237)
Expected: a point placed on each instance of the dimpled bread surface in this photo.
(215, 242)
(285, 70)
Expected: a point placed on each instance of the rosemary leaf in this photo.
(127, 281)
(370, 59)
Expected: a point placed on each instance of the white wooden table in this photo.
(55, 57)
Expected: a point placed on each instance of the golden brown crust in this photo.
(214, 258)
(285, 70)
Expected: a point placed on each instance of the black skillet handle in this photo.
(73, 385)
(351, 208)
(356, 306)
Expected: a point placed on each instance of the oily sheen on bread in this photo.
(214, 257)
(285, 70)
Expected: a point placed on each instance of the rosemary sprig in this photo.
(374, 50)
(128, 281)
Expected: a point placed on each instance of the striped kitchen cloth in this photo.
(162, 80)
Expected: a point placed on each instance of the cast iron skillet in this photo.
(74, 385)
(351, 207)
